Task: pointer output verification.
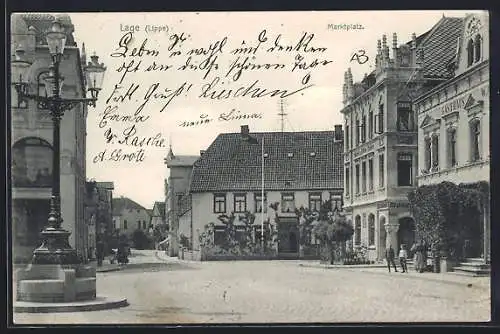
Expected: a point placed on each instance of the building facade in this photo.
(158, 214)
(129, 216)
(177, 192)
(454, 120)
(380, 151)
(31, 141)
(301, 169)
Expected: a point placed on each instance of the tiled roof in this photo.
(440, 46)
(232, 163)
(124, 203)
(182, 160)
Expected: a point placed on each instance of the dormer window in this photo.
(290, 154)
(312, 154)
(474, 50)
(266, 155)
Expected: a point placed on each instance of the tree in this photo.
(332, 230)
(140, 239)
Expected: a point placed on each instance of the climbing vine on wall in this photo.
(446, 213)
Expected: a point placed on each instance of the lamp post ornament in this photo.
(55, 247)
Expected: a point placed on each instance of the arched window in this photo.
(475, 130)
(470, 52)
(371, 230)
(357, 231)
(477, 48)
(32, 163)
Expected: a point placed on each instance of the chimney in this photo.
(245, 131)
(338, 136)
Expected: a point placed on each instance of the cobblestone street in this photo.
(278, 291)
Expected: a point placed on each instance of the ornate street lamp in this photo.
(55, 248)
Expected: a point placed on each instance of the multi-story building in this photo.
(380, 151)
(177, 189)
(300, 169)
(454, 120)
(31, 140)
(129, 216)
(99, 215)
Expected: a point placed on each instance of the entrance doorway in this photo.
(406, 232)
(288, 233)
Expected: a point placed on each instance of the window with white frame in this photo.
(287, 202)
(336, 200)
(240, 203)
(219, 203)
(404, 117)
(258, 202)
(315, 201)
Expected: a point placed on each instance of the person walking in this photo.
(389, 257)
(403, 256)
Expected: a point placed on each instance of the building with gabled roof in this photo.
(301, 169)
(129, 216)
(380, 151)
(453, 128)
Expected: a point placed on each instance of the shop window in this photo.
(336, 202)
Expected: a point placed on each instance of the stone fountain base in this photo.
(60, 288)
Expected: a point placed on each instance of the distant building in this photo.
(301, 169)
(380, 151)
(31, 140)
(158, 214)
(454, 121)
(129, 216)
(177, 190)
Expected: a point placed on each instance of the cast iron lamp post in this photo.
(55, 247)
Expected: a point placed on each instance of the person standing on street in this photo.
(403, 255)
(389, 257)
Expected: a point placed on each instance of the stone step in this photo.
(474, 260)
(474, 265)
(472, 271)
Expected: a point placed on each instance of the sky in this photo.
(315, 107)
